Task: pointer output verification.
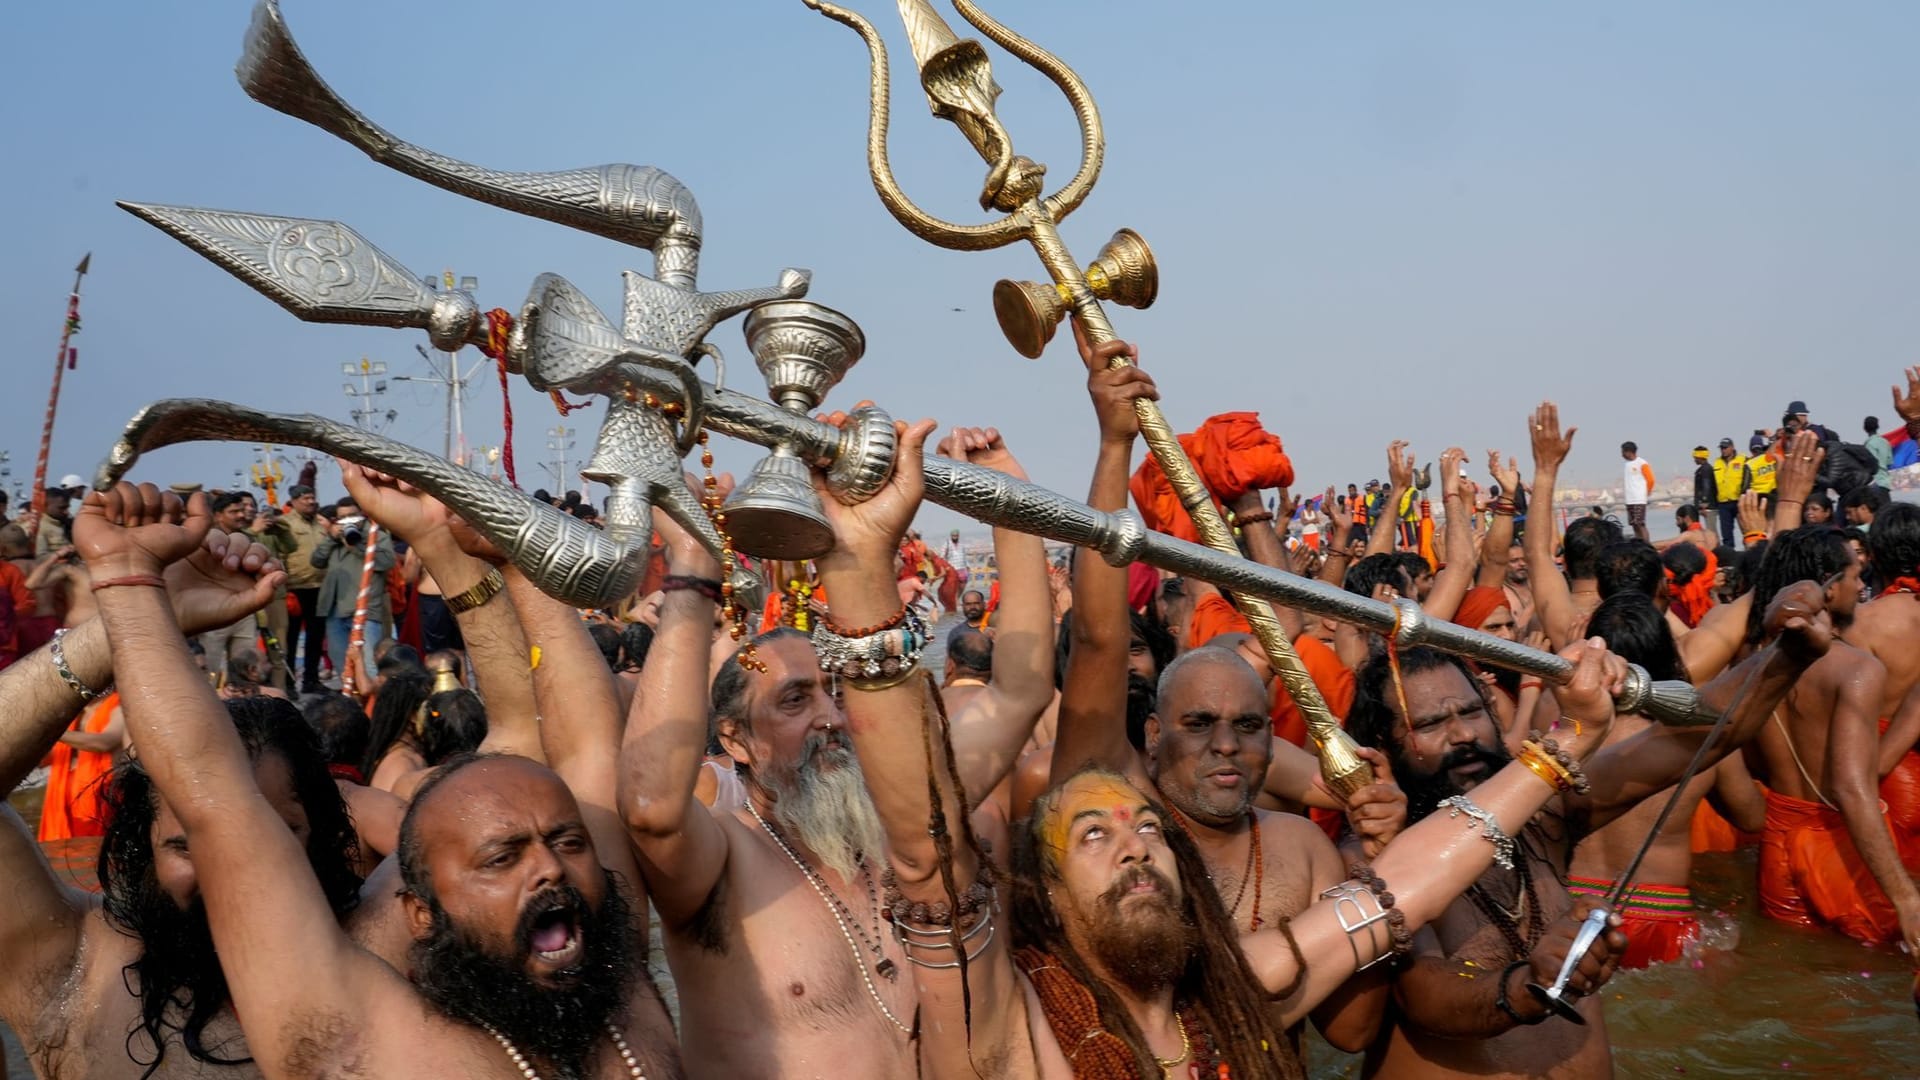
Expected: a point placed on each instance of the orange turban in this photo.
(1478, 605)
(1233, 455)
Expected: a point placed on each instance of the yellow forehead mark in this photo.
(1116, 797)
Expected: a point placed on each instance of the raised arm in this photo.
(1552, 599)
(1333, 569)
(1263, 545)
(990, 732)
(1496, 549)
(269, 917)
(496, 648)
(1629, 771)
(1451, 584)
(1798, 473)
(1428, 865)
(580, 722)
(907, 771)
(1382, 532)
(1093, 696)
(682, 848)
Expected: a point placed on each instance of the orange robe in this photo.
(72, 807)
(1812, 875)
(1900, 790)
(1712, 832)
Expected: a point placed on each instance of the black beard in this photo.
(1426, 789)
(560, 1025)
(179, 972)
(1147, 949)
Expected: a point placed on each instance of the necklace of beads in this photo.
(526, 1068)
(885, 967)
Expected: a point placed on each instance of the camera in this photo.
(353, 531)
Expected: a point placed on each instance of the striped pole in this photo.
(356, 638)
(61, 362)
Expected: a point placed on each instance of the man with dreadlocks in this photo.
(1460, 1007)
(771, 906)
(126, 983)
(1208, 746)
(1118, 962)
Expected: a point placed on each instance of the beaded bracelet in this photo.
(978, 898)
(874, 661)
(865, 631)
(1255, 518)
(1396, 920)
(1566, 763)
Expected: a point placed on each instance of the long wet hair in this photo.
(452, 722)
(401, 696)
(1810, 553)
(1216, 982)
(179, 989)
(1635, 631)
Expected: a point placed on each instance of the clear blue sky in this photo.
(1378, 220)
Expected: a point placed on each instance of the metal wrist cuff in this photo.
(57, 650)
(1489, 828)
(914, 939)
(873, 661)
(1347, 907)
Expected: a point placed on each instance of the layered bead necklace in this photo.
(835, 908)
(526, 1068)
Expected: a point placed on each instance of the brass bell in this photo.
(1124, 272)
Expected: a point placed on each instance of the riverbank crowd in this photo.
(349, 796)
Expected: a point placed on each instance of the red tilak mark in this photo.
(1123, 813)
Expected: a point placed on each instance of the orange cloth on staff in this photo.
(1233, 455)
(1900, 790)
(1812, 875)
(1712, 832)
(72, 807)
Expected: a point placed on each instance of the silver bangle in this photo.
(914, 939)
(1346, 898)
(873, 661)
(57, 650)
(1489, 828)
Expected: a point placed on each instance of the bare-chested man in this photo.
(1122, 960)
(1657, 913)
(771, 910)
(524, 943)
(1820, 758)
(1889, 628)
(1460, 1007)
(1208, 743)
(126, 984)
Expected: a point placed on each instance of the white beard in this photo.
(823, 804)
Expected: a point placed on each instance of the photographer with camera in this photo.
(342, 555)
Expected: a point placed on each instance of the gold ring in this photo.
(1806, 457)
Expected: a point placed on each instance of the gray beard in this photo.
(827, 810)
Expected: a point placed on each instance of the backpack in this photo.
(1848, 466)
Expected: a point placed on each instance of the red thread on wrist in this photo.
(150, 580)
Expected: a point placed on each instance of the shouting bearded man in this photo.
(506, 896)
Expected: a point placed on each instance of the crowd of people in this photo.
(369, 803)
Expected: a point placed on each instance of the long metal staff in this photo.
(593, 578)
(959, 83)
(1555, 997)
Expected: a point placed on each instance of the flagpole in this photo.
(63, 360)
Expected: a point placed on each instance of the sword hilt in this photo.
(1555, 997)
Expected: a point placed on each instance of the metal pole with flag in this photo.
(62, 361)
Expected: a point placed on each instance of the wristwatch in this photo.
(481, 592)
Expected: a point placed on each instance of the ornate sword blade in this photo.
(322, 271)
(633, 204)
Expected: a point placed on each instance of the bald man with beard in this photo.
(523, 942)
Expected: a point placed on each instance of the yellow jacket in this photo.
(1765, 473)
(1729, 477)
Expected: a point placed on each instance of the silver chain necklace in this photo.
(859, 962)
(526, 1069)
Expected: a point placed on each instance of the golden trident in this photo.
(959, 83)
